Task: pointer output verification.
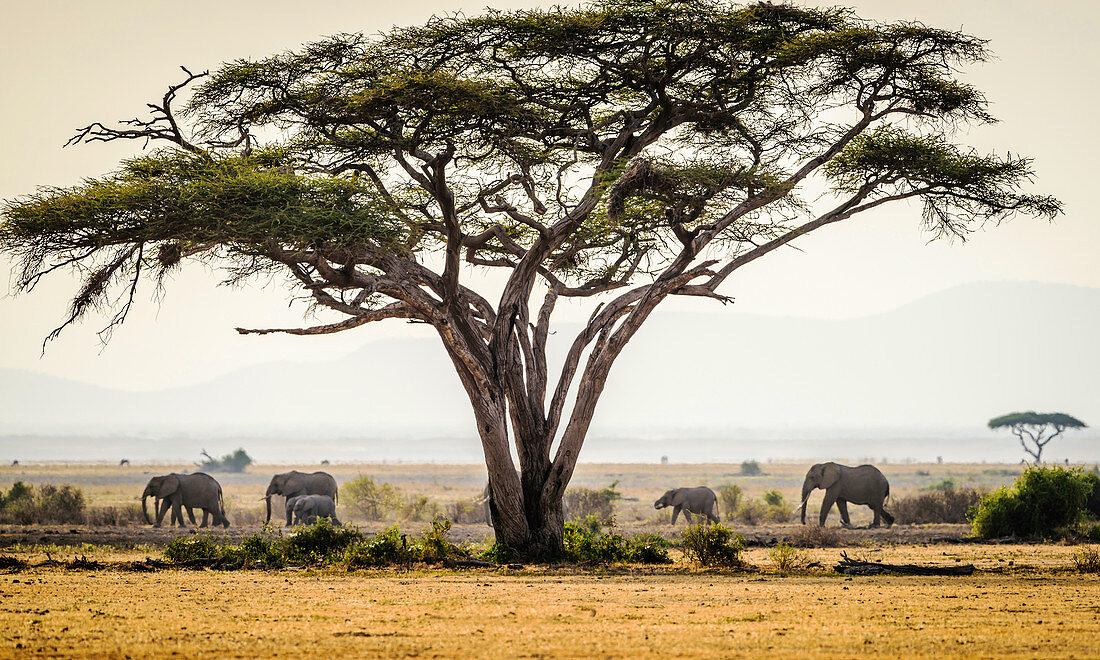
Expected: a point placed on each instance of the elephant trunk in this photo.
(807, 488)
(267, 498)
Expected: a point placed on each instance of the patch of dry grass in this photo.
(676, 612)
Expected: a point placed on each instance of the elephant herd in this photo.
(864, 485)
(309, 496)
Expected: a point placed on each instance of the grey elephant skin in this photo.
(198, 490)
(308, 508)
(863, 484)
(295, 483)
(699, 500)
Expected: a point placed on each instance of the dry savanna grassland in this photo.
(1024, 600)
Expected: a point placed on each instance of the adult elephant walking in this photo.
(295, 483)
(863, 484)
(198, 490)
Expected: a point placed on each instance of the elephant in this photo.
(864, 484)
(198, 490)
(308, 508)
(293, 483)
(699, 500)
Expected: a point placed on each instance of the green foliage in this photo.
(729, 496)
(188, 548)
(587, 542)
(1043, 503)
(48, 504)
(318, 543)
(1036, 419)
(1092, 500)
(713, 545)
(751, 469)
(584, 502)
(947, 483)
(937, 505)
(773, 497)
(386, 548)
(370, 500)
(434, 546)
(787, 558)
(466, 511)
(234, 462)
(262, 548)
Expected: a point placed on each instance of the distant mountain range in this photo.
(949, 361)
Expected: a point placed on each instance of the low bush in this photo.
(467, 511)
(943, 484)
(585, 502)
(815, 536)
(949, 505)
(1092, 501)
(126, 515)
(729, 497)
(188, 548)
(755, 512)
(386, 548)
(318, 543)
(751, 469)
(48, 504)
(370, 500)
(587, 542)
(1087, 560)
(1044, 502)
(713, 545)
(787, 558)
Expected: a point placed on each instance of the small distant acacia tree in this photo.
(631, 150)
(1039, 428)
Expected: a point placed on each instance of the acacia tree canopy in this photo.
(628, 149)
(1035, 426)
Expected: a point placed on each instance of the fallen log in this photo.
(849, 566)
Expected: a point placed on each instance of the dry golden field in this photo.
(1025, 600)
(1035, 607)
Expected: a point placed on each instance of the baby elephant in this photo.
(699, 500)
(308, 508)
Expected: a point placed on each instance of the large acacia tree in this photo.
(630, 150)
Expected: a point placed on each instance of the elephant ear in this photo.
(830, 474)
(170, 485)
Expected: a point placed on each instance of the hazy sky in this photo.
(66, 64)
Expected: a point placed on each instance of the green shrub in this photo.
(188, 548)
(318, 543)
(386, 548)
(1087, 560)
(1092, 501)
(936, 506)
(585, 502)
(730, 497)
(49, 504)
(434, 546)
(712, 545)
(586, 542)
(750, 512)
(418, 508)
(773, 497)
(943, 484)
(751, 469)
(1092, 532)
(1043, 503)
(787, 558)
(370, 500)
(262, 548)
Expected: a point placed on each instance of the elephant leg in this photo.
(675, 513)
(289, 514)
(177, 513)
(191, 516)
(711, 517)
(842, 507)
(886, 515)
(162, 508)
(826, 506)
(688, 517)
(205, 517)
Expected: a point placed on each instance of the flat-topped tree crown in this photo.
(626, 149)
(1038, 428)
